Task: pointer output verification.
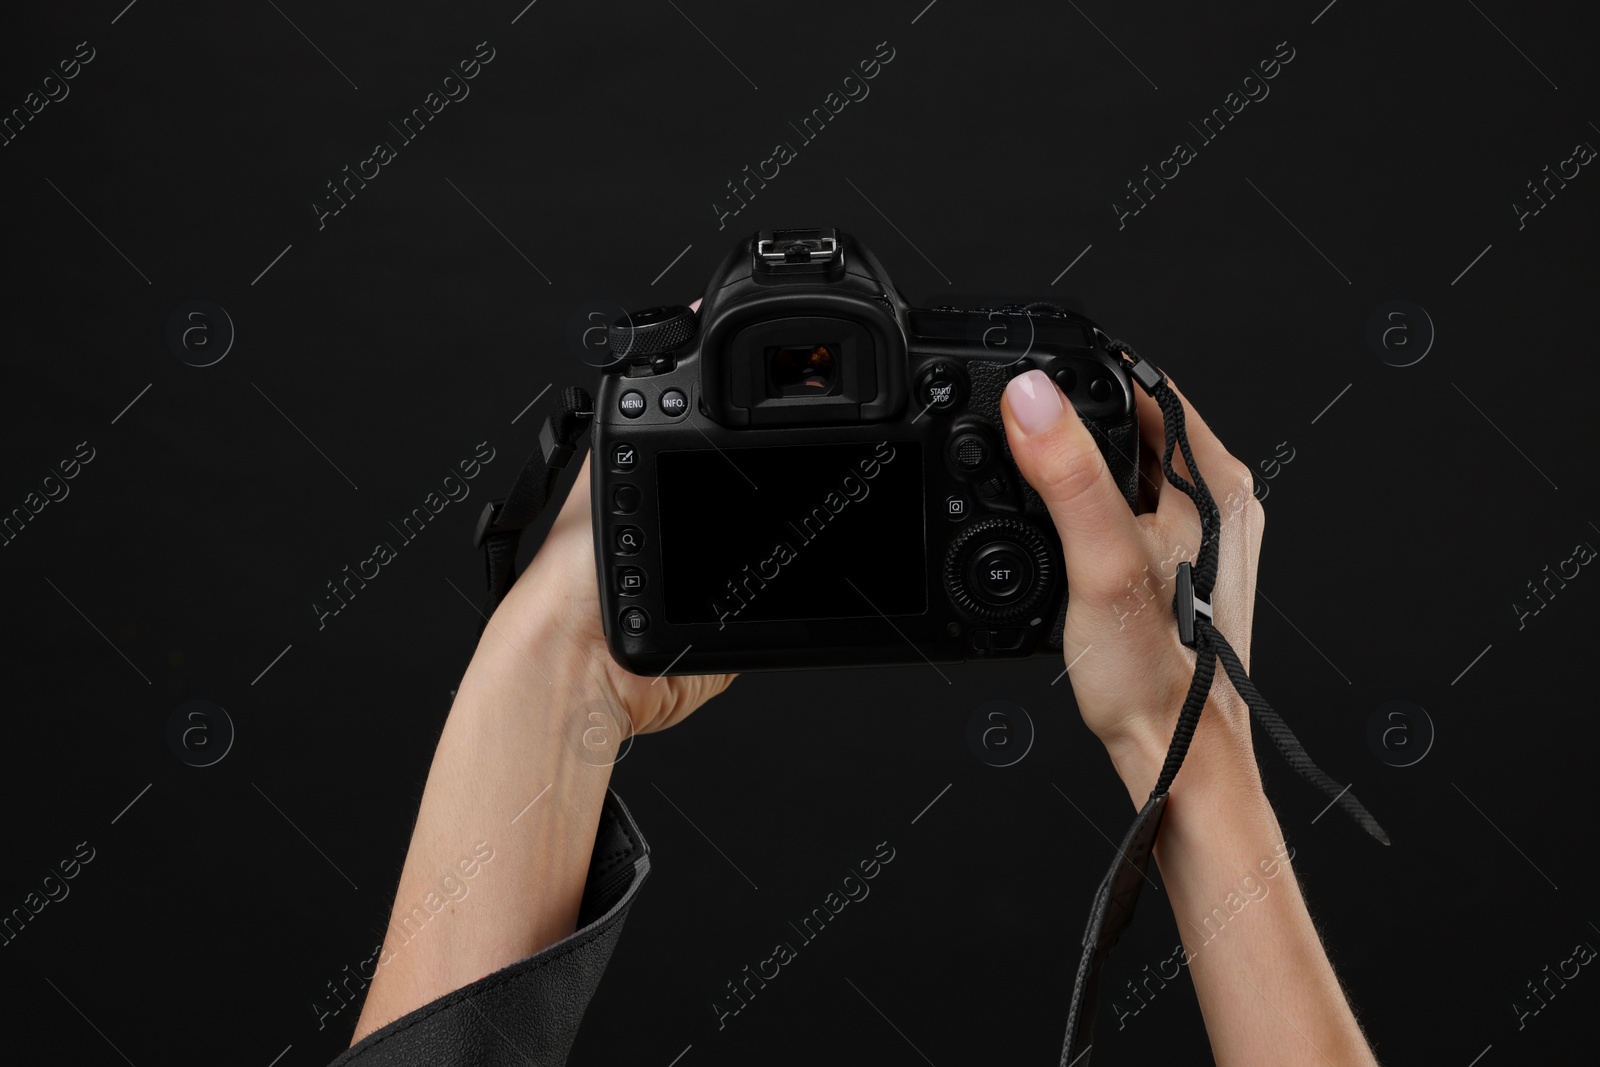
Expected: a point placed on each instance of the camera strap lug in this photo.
(1147, 374)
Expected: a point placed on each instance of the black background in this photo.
(410, 328)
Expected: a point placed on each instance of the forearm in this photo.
(1264, 983)
(508, 781)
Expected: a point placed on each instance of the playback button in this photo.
(630, 581)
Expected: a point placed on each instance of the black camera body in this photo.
(810, 473)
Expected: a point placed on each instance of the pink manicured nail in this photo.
(1035, 401)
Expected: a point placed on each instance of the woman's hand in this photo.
(520, 775)
(1264, 983)
(559, 588)
(1128, 669)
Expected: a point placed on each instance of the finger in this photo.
(1058, 456)
(1232, 489)
(1168, 501)
(1152, 481)
(1226, 477)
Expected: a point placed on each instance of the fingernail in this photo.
(1035, 401)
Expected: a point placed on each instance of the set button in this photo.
(999, 573)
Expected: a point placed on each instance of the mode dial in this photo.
(651, 331)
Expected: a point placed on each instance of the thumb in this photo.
(1057, 454)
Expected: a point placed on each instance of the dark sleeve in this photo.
(528, 1012)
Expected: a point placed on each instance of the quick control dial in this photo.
(999, 570)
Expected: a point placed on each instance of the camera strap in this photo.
(501, 524)
(1118, 892)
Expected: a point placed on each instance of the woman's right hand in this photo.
(1266, 989)
(1128, 669)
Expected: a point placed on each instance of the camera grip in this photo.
(1119, 444)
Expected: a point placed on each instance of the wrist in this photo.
(535, 695)
(512, 783)
(1220, 758)
(545, 618)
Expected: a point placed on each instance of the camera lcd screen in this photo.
(792, 532)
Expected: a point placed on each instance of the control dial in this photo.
(651, 331)
(999, 570)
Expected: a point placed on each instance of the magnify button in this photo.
(629, 539)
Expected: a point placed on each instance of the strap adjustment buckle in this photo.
(1186, 605)
(487, 525)
(555, 451)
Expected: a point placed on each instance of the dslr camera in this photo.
(809, 472)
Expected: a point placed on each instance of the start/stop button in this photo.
(940, 388)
